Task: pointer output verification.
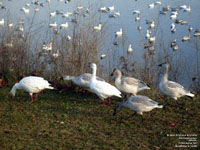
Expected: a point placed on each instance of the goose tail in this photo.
(159, 106)
(68, 77)
(190, 94)
(144, 88)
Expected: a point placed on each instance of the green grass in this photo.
(73, 121)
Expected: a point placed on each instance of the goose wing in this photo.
(142, 100)
(104, 88)
(174, 85)
(130, 81)
(34, 83)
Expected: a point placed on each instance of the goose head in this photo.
(165, 65)
(115, 72)
(93, 66)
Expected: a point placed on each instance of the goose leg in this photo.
(36, 96)
(31, 95)
(103, 102)
(109, 101)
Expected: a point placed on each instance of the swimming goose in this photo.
(119, 33)
(26, 11)
(151, 5)
(98, 28)
(171, 88)
(139, 104)
(173, 29)
(136, 11)
(128, 85)
(82, 80)
(130, 49)
(101, 88)
(53, 24)
(64, 25)
(186, 38)
(31, 84)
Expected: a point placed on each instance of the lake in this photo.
(187, 54)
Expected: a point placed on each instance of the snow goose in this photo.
(151, 5)
(53, 25)
(31, 84)
(136, 11)
(171, 88)
(173, 29)
(103, 56)
(186, 38)
(26, 11)
(130, 49)
(82, 80)
(128, 85)
(64, 25)
(98, 28)
(52, 14)
(101, 88)
(119, 33)
(139, 104)
(111, 8)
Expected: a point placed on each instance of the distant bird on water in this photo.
(31, 84)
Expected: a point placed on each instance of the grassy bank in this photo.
(71, 120)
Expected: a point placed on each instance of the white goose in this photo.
(101, 88)
(128, 84)
(119, 33)
(31, 84)
(171, 88)
(83, 80)
(139, 104)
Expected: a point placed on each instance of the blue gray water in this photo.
(187, 53)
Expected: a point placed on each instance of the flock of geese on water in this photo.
(104, 90)
(80, 10)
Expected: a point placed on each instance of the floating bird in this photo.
(183, 6)
(151, 5)
(190, 28)
(136, 11)
(152, 39)
(26, 11)
(98, 28)
(65, 25)
(148, 34)
(52, 14)
(67, 14)
(128, 85)
(119, 33)
(103, 56)
(101, 88)
(103, 9)
(171, 88)
(186, 38)
(53, 24)
(130, 49)
(158, 3)
(188, 9)
(47, 47)
(139, 104)
(152, 25)
(68, 38)
(31, 84)
(173, 29)
(137, 18)
(115, 15)
(1, 22)
(111, 8)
